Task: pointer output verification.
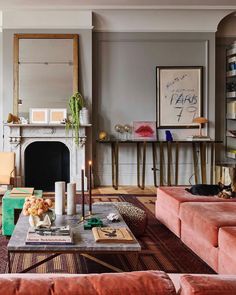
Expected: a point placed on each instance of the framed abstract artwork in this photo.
(56, 116)
(39, 116)
(179, 96)
(144, 130)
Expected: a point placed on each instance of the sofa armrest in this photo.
(207, 285)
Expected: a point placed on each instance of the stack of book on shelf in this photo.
(112, 235)
(22, 192)
(50, 236)
(198, 138)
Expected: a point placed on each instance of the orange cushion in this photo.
(5, 179)
(207, 285)
(7, 163)
(133, 283)
(205, 219)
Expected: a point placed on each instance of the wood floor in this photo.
(149, 190)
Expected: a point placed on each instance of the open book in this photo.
(112, 234)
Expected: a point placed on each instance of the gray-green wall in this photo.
(124, 90)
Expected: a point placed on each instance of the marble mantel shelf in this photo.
(42, 125)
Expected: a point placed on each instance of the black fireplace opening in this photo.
(46, 163)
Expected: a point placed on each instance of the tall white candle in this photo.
(60, 197)
(71, 193)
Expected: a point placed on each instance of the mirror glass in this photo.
(45, 74)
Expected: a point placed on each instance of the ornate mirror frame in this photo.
(17, 38)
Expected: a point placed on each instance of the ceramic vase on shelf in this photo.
(84, 116)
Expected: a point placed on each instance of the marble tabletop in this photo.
(83, 239)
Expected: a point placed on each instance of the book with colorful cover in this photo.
(112, 235)
(22, 192)
(51, 236)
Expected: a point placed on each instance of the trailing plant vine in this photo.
(76, 103)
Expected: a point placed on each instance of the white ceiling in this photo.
(63, 4)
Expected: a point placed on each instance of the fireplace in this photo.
(46, 163)
(45, 154)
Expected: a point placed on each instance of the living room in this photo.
(117, 126)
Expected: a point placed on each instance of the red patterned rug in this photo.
(161, 250)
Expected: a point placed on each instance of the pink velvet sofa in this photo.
(133, 283)
(169, 200)
(202, 223)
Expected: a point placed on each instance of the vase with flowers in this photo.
(39, 212)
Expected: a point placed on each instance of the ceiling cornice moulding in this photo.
(47, 19)
(119, 7)
(158, 20)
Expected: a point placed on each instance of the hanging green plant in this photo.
(76, 103)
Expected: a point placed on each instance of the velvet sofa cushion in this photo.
(172, 197)
(207, 285)
(133, 283)
(227, 240)
(205, 219)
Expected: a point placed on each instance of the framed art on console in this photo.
(144, 130)
(179, 96)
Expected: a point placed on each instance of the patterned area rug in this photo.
(161, 250)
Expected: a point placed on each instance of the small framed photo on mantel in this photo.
(56, 116)
(39, 116)
(179, 96)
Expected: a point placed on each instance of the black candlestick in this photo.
(90, 187)
(82, 192)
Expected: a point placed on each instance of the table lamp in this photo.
(200, 121)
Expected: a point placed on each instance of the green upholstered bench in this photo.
(10, 206)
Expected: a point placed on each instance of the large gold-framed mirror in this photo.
(45, 71)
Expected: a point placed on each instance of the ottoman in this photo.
(135, 218)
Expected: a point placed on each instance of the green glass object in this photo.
(93, 222)
(9, 206)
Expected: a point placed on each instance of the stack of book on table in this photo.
(50, 236)
(22, 192)
(112, 235)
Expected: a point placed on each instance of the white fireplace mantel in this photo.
(19, 136)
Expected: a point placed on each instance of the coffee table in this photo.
(84, 243)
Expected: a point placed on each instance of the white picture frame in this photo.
(56, 116)
(38, 116)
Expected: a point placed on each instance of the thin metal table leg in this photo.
(154, 160)
(212, 161)
(161, 163)
(176, 163)
(138, 164)
(169, 160)
(203, 161)
(9, 261)
(116, 165)
(113, 164)
(144, 164)
(194, 151)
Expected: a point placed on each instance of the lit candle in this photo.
(90, 187)
(82, 191)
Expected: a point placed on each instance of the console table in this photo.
(162, 145)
